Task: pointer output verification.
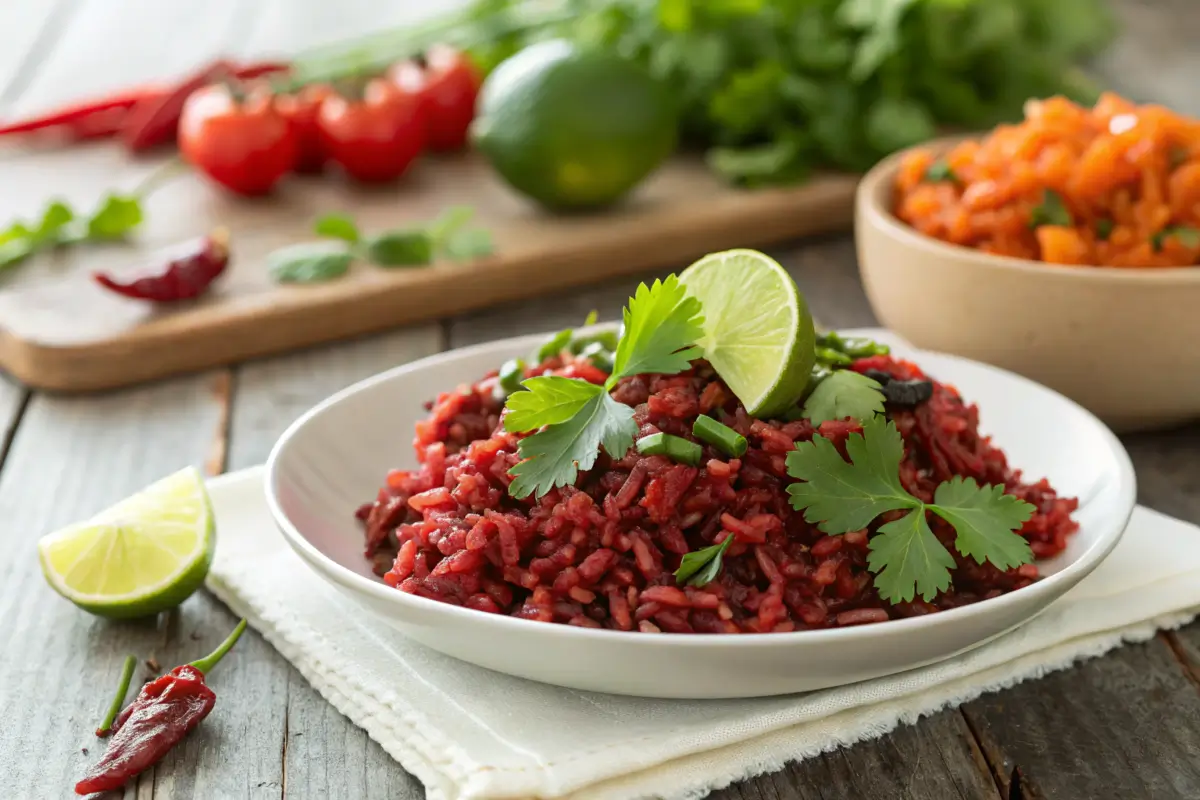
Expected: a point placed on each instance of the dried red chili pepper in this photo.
(163, 713)
(189, 269)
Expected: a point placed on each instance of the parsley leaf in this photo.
(940, 171)
(550, 400)
(843, 394)
(905, 554)
(54, 218)
(662, 326)
(309, 263)
(1051, 211)
(840, 497)
(400, 248)
(1187, 236)
(117, 216)
(337, 226)
(702, 567)
(554, 456)
(984, 517)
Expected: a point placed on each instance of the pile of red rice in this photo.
(601, 554)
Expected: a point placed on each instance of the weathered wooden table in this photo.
(1123, 726)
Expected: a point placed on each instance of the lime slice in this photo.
(758, 332)
(144, 555)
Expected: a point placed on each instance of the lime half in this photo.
(758, 332)
(144, 555)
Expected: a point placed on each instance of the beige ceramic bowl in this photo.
(1124, 343)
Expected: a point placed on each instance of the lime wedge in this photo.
(144, 555)
(758, 332)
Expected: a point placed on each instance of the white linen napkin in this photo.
(467, 732)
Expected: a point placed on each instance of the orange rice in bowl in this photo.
(1115, 185)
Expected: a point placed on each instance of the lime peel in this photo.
(758, 331)
(144, 555)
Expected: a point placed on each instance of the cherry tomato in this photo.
(244, 144)
(374, 138)
(301, 110)
(448, 84)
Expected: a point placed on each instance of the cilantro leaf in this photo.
(309, 263)
(550, 400)
(662, 325)
(1051, 211)
(984, 517)
(54, 218)
(940, 171)
(905, 554)
(337, 226)
(117, 216)
(1187, 236)
(400, 248)
(702, 567)
(840, 497)
(843, 394)
(554, 456)
(14, 250)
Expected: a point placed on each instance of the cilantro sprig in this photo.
(59, 225)
(575, 418)
(840, 496)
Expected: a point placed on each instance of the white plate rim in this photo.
(1046, 587)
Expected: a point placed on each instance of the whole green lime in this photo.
(573, 128)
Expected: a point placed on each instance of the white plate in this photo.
(335, 457)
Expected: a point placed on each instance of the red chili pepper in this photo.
(189, 270)
(155, 120)
(80, 115)
(163, 713)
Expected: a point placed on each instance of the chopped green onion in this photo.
(606, 338)
(722, 437)
(1051, 211)
(556, 345)
(600, 356)
(827, 356)
(673, 447)
(119, 698)
(511, 375)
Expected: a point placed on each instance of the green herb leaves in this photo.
(844, 393)
(59, 225)
(309, 263)
(446, 237)
(940, 171)
(662, 324)
(1051, 211)
(581, 417)
(840, 496)
(702, 567)
(1185, 234)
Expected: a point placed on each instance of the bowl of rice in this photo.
(1064, 248)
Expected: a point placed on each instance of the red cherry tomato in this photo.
(301, 110)
(374, 138)
(243, 144)
(448, 84)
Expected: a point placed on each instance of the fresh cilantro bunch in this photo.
(575, 418)
(777, 88)
(840, 496)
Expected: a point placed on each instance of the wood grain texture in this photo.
(68, 460)
(935, 759)
(64, 332)
(1121, 726)
(323, 754)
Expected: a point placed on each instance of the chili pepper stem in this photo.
(209, 661)
(119, 699)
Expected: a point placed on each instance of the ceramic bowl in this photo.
(335, 457)
(1124, 343)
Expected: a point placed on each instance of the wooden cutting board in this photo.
(60, 331)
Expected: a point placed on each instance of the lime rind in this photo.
(758, 331)
(146, 554)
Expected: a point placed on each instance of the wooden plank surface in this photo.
(1121, 726)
